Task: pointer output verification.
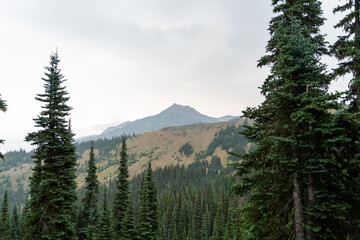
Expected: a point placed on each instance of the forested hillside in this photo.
(162, 147)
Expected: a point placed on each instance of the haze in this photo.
(129, 59)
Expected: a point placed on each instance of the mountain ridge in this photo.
(175, 115)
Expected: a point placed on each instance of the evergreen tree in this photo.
(128, 231)
(15, 225)
(121, 201)
(153, 202)
(205, 229)
(5, 225)
(89, 213)
(3, 108)
(197, 215)
(296, 136)
(148, 212)
(144, 217)
(347, 49)
(219, 224)
(53, 196)
(23, 217)
(105, 231)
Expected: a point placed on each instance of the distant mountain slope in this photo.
(162, 147)
(176, 115)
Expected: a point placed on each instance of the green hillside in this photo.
(163, 147)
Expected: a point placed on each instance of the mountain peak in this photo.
(175, 115)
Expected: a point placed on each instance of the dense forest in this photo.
(295, 169)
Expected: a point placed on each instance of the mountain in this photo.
(176, 115)
(162, 147)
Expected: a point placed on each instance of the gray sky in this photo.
(128, 59)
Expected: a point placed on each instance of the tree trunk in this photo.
(298, 215)
(311, 195)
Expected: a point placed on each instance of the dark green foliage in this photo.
(219, 226)
(5, 224)
(153, 202)
(186, 149)
(104, 145)
(128, 231)
(105, 231)
(3, 108)
(121, 202)
(299, 142)
(88, 216)
(228, 139)
(347, 49)
(205, 232)
(148, 208)
(23, 217)
(15, 225)
(52, 186)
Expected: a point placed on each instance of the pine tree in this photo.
(52, 186)
(3, 108)
(128, 231)
(121, 201)
(153, 202)
(219, 224)
(296, 136)
(15, 225)
(5, 225)
(148, 212)
(144, 217)
(105, 231)
(347, 49)
(89, 214)
(23, 217)
(205, 227)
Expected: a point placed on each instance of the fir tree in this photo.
(105, 231)
(153, 202)
(144, 217)
(128, 231)
(121, 201)
(89, 214)
(23, 217)
(15, 225)
(219, 224)
(52, 186)
(347, 49)
(148, 212)
(3, 108)
(205, 229)
(296, 136)
(5, 225)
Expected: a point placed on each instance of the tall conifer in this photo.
(347, 49)
(121, 201)
(5, 225)
(148, 209)
(52, 186)
(105, 231)
(15, 225)
(89, 213)
(128, 231)
(297, 137)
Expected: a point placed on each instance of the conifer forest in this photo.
(292, 167)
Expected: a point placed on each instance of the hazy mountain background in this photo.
(176, 115)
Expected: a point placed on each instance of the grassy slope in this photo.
(161, 147)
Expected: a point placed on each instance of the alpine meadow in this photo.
(288, 168)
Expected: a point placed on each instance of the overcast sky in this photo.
(128, 59)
